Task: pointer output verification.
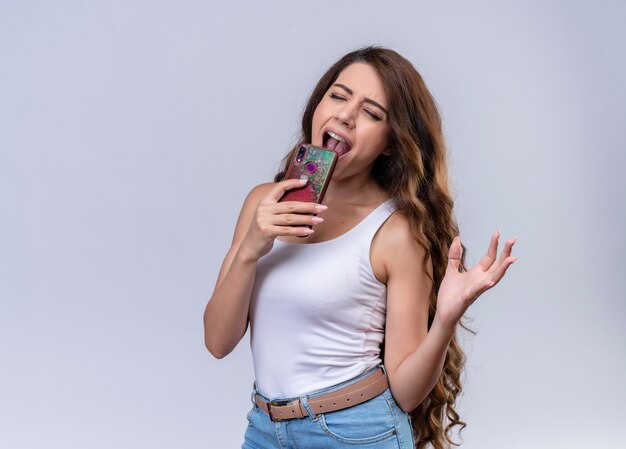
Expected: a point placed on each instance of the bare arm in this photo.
(261, 220)
(414, 355)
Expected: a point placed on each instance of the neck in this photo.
(364, 191)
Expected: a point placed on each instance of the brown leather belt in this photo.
(363, 390)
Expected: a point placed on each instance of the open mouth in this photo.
(336, 143)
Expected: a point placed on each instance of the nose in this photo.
(346, 113)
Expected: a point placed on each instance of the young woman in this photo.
(353, 305)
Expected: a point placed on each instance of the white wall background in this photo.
(130, 132)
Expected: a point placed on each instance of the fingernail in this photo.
(320, 207)
(303, 180)
(317, 219)
(309, 231)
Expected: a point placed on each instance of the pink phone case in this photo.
(317, 165)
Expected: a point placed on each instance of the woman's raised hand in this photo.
(273, 219)
(459, 290)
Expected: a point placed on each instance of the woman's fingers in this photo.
(508, 246)
(300, 231)
(488, 262)
(454, 254)
(281, 187)
(499, 272)
(297, 207)
(506, 252)
(291, 213)
(273, 226)
(295, 220)
(488, 259)
(498, 269)
(289, 207)
(287, 218)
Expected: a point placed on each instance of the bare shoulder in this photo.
(396, 230)
(394, 249)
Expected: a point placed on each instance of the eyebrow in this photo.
(366, 100)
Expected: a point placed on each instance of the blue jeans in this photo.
(376, 424)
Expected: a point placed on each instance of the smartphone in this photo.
(314, 164)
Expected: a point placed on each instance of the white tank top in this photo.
(317, 313)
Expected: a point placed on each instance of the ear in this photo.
(387, 151)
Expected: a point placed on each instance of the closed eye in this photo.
(335, 96)
(373, 115)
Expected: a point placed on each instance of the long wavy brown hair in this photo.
(415, 174)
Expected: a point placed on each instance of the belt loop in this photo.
(253, 395)
(307, 407)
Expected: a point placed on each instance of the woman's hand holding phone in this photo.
(274, 219)
(291, 206)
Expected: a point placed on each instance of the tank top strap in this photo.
(375, 220)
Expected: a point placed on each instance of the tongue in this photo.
(339, 147)
(342, 148)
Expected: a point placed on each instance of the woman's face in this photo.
(352, 119)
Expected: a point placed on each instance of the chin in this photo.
(318, 142)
